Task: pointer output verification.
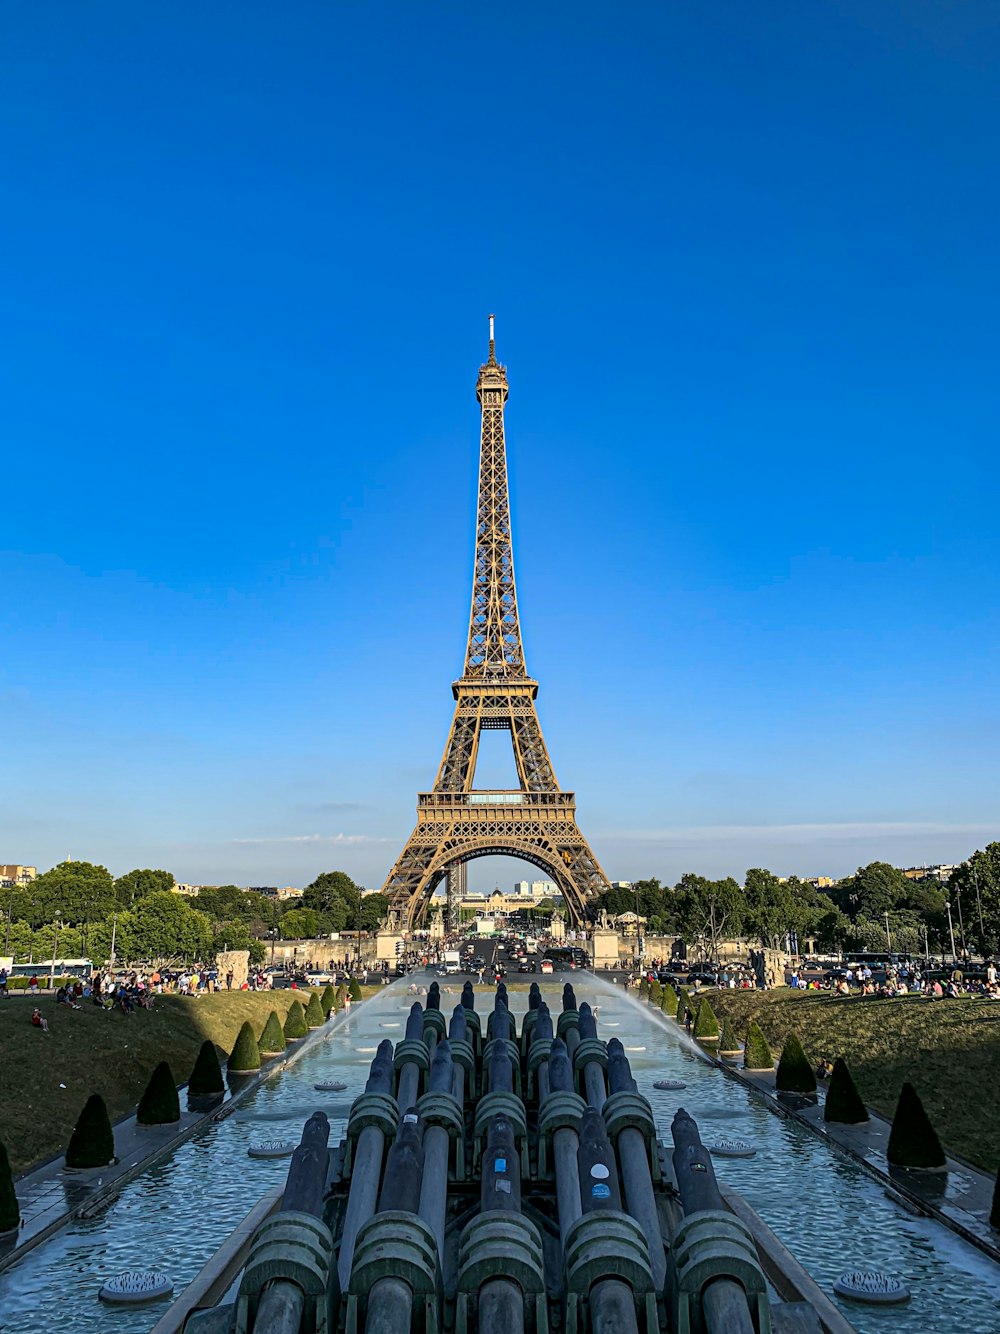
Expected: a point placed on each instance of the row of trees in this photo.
(75, 910)
(853, 914)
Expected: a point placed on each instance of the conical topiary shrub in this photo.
(272, 1040)
(354, 991)
(644, 988)
(843, 1101)
(206, 1086)
(756, 1052)
(328, 1000)
(683, 1003)
(668, 1001)
(995, 1211)
(341, 996)
(295, 1022)
(159, 1104)
(729, 1043)
(655, 992)
(706, 1026)
(795, 1074)
(10, 1212)
(315, 1017)
(244, 1059)
(92, 1143)
(913, 1141)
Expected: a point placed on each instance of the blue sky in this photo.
(743, 262)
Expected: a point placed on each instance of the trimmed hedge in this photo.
(272, 1040)
(328, 1000)
(683, 1003)
(729, 1043)
(706, 1026)
(913, 1141)
(295, 1022)
(655, 992)
(21, 983)
(159, 1104)
(644, 988)
(92, 1143)
(341, 996)
(843, 1101)
(669, 1002)
(206, 1077)
(245, 1056)
(756, 1052)
(315, 1017)
(795, 1074)
(354, 991)
(10, 1210)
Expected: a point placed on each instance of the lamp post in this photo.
(888, 938)
(273, 933)
(114, 932)
(951, 929)
(979, 906)
(961, 923)
(55, 946)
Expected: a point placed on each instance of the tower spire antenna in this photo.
(493, 346)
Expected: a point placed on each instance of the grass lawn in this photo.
(107, 1052)
(948, 1049)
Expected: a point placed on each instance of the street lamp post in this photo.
(951, 930)
(55, 946)
(114, 932)
(888, 938)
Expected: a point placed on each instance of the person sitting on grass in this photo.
(37, 1021)
(824, 1069)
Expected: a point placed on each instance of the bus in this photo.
(81, 968)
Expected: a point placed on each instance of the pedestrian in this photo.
(33, 986)
(3, 982)
(229, 980)
(688, 1020)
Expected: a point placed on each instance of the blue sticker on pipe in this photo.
(500, 1165)
(600, 1191)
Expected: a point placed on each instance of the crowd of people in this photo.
(905, 979)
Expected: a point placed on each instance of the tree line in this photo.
(863, 911)
(74, 910)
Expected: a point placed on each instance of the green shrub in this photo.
(655, 992)
(10, 1211)
(354, 990)
(206, 1077)
(728, 1042)
(706, 1026)
(795, 1074)
(159, 1104)
(843, 1101)
(756, 1052)
(295, 1022)
(315, 1017)
(272, 1039)
(668, 1001)
(341, 996)
(92, 1143)
(913, 1141)
(245, 1056)
(644, 988)
(683, 1003)
(328, 1000)
(995, 1211)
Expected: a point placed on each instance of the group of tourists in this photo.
(905, 979)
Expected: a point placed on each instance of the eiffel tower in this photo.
(457, 822)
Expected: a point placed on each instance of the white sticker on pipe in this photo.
(599, 1171)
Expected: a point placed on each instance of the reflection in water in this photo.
(831, 1215)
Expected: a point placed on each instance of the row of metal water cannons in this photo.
(499, 1182)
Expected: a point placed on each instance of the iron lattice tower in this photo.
(456, 822)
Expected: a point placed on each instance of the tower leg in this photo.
(457, 887)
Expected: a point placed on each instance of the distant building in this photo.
(819, 881)
(534, 889)
(620, 884)
(188, 891)
(11, 876)
(942, 872)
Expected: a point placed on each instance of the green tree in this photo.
(135, 885)
(272, 1039)
(708, 910)
(756, 1052)
(300, 924)
(10, 1210)
(329, 999)
(159, 1104)
(77, 890)
(372, 912)
(164, 926)
(975, 885)
(92, 1143)
(354, 990)
(872, 891)
(206, 1077)
(706, 1025)
(767, 907)
(334, 895)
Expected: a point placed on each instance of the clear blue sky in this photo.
(744, 263)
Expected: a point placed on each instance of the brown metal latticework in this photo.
(455, 822)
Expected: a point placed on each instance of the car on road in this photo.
(525, 967)
(546, 966)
